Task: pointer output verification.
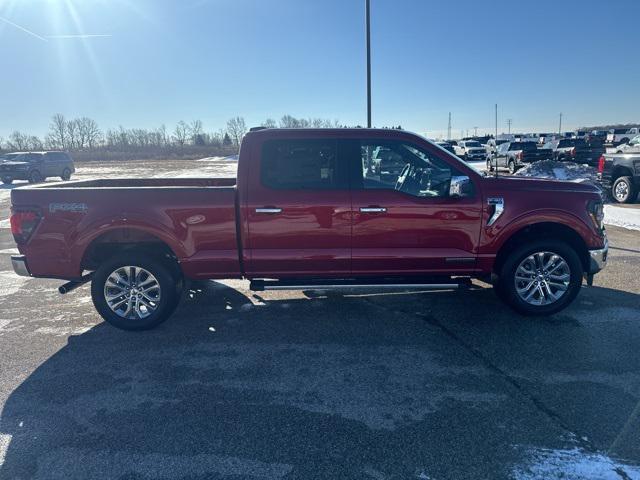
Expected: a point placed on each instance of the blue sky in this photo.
(162, 61)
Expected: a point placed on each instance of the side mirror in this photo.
(460, 186)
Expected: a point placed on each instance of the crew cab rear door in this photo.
(297, 210)
(407, 222)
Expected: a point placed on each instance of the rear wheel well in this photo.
(620, 171)
(539, 231)
(127, 240)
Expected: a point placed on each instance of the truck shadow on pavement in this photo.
(445, 385)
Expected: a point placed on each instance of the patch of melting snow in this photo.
(622, 217)
(5, 440)
(573, 464)
(63, 331)
(9, 251)
(5, 223)
(10, 283)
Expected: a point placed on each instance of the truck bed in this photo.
(196, 217)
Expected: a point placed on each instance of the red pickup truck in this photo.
(314, 209)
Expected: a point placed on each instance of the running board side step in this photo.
(370, 284)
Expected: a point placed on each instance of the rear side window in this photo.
(57, 156)
(302, 165)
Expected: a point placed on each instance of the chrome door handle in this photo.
(270, 210)
(372, 209)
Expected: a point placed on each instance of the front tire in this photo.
(66, 175)
(623, 190)
(540, 278)
(7, 180)
(489, 165)
(135, 292)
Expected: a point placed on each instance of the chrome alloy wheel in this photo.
(132, 292)
(621, 191)
(542, 278)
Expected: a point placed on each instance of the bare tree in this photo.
(269, 123)
(57, 137)
(18, 141)
(89, 134)
(181, 133)
(72, 134)
(34, 143)
(236, 129)
(287, 121)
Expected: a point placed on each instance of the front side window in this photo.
(301, 165)
(405, 168)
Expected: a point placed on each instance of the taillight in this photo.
(572, 152)
(23, 223)
(601, 164)
(519, 156)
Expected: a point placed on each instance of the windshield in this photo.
(472, 144)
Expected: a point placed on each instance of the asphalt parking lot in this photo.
(305, 385)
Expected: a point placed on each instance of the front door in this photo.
(405, 221)
(298, 210)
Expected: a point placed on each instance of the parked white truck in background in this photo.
(632, 147)
(616, 136)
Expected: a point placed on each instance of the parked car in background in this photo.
(632, 147)
(35, 166)
(616, 136)
(514, 155)
(576, 150)
(620, 176)
(470, 150)
(308, 212)
(600, 135)
(492, 145)
(546, 138)
(447, 146)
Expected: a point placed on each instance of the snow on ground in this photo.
(573, 464)
(626, 217)
(480, 166)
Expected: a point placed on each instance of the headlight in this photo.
(596, 212)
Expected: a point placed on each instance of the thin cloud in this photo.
(53, 37)
(80, 35)
(29, 32)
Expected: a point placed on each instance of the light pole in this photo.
(560, 126)
(496, 137)
(368, 15)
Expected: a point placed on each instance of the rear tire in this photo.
(35, 177)
(623, 190)
(512, 167)
(139, 299)
(66, 175)
(563, 277)
(7, 180)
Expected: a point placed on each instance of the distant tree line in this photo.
(87, 141)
